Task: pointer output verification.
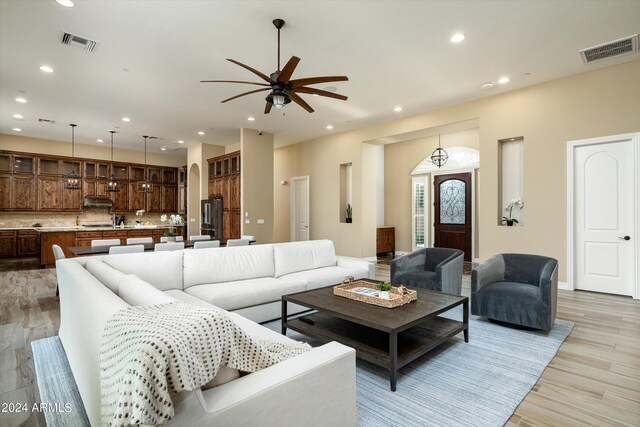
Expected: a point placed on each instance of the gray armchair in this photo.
(438, 269)
(516, 288)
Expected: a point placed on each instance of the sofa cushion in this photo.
(298, 256)
(217, 265)
(135, 291)
(518, 303)
(325, 276)
(162, 269)
(245, 293)
(109, 276)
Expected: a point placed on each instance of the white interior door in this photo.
(604, 214)
(300, 208)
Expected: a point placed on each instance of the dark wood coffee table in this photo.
(386, 337)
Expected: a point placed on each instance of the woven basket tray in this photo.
(396, 298)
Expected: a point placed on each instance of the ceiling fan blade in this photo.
(295, 98)
(288, 69)
(254, 71)
(246, 93)
(319, 92)
(233, 81)
(314, 80)
(267, 108)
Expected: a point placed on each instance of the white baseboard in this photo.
(400, 253)
(564, 286)
(369, 259)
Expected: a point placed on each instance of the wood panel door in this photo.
(23, 193)
(452, 225)
(49, 193)
(5, 192)
(136, 199)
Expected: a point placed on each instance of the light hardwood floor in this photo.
(593, 380)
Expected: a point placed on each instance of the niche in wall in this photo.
(345, 190)
(510, 179)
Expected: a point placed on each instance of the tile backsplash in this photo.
(91, 215)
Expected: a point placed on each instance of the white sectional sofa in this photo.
(246, 281)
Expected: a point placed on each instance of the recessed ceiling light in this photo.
(503, 80)
(17, 130)
(487, 86)
(457, 38)
(18, 116)
(21, 100)
(46, 69)
(200, 133)
(65, 3)
(181, 142)
(329, 127)
(397, 109)
(99, 140)
(163, 148)
(251, 119)
(126, 119)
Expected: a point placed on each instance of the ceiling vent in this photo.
(610, 50)
(51, 122)
(169, 148)
(73, 40)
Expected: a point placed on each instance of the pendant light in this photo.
(439, 156)
(144, 186)
(72, 181)
(113, 184)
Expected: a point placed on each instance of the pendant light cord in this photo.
(278, 49)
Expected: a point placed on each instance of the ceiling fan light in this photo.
(278, 101)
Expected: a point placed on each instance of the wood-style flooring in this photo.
(593, 380)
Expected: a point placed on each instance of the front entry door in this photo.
(604, 214)
(300, 208)
(452, 225)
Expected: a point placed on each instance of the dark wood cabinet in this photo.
(5, 192)
(71, 200)
(385, 240)
(224, 181)
(154, 199)
(64, 239)
(7, 243)
(49, 193)
(137, 200)
(120, 199)
(169, 196)
(27, 243)
(23, 193)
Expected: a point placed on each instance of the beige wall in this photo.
(601, 102)
(400, 159)
(231, 148)
(256, 177)
(58, 148)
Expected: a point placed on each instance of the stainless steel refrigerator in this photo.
(211, 223)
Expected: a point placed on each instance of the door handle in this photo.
(624, 238)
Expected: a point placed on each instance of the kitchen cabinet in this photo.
(234, 191)
(7, 243)
(154, 199)
(64, 239)
(71, 200)
(116, 234)
(23, 193)
(5, 192)
(27, 243)
(169, 198)
(84, 238)
(49, 193)
(137, 200)
(385, 240)
(120, 199)
(224, 181)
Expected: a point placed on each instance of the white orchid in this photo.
(514, 203)
(163, 218)
(140, 212)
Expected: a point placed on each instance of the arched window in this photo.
(459, 158)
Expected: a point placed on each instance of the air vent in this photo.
(73, 40)
(51, 122)
(610, 49)
(169, 148)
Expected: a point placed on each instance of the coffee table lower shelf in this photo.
(374, 345)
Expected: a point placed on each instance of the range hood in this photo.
(94, 201)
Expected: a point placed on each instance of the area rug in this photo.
(479, 383)
(58, 390)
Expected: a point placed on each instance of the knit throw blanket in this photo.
(149, 352)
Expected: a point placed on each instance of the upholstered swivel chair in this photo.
(516, 288)
(438, 269)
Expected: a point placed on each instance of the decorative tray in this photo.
(399, 295)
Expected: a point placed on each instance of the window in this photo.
(418, 212)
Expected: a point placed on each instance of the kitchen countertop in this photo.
(45, 229)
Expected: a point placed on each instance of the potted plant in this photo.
(349, 212)
(514, 203)
(173, 221)
(384, 288)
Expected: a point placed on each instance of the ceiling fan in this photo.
(283, 89)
